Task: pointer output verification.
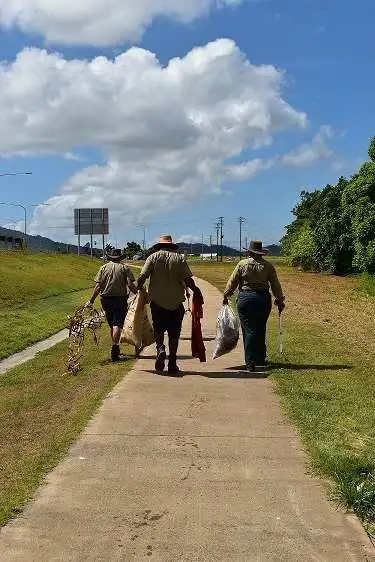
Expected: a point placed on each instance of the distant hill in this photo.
(197, 249)
(43, 244)
(40, 243)
(274, 250)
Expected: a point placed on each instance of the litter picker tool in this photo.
(281, 343)
(188, 296)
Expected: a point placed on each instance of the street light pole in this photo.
(25, 215)
(25, 218)
(16, 174)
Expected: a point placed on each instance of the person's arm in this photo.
(94, 295)
(232, 284)
(130, 279)
(145, 273)
(190, 283)
(276, 288)
(187, 276)
(96, 292)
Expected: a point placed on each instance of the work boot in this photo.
(173, 369)
(160, 359)
(115, 353)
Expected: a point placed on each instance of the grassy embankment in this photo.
(37, 291)
(42, 410)
(326, 378)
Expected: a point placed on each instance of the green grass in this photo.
(326, 383)
(42, 411)
(37, 292)
(367, 284)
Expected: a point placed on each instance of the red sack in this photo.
(198, 349)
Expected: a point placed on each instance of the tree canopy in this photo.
(334, 227)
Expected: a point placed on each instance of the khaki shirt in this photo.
(168, 272)
(254, 274)
(114, 279)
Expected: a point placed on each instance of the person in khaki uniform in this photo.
(169, 276)
(113, 282)
(254, 277)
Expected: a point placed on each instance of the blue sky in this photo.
(324, 50)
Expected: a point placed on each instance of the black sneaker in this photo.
(251, 367)
(263, 368)
(115, 353)
(160, 359)
(173, 369)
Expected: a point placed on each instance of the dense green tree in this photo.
(334, 228)
(334, 249)
(132, 249)
(358, 203)
(109, 248)
(303, 250)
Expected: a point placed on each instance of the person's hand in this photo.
(280, 305)
(88, 304)
(225, 301)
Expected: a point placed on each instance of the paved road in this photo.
(202, 468)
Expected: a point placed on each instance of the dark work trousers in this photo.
(254, 308)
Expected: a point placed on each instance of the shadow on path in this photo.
(240, 374)
(300, 367)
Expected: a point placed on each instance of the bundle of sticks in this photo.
(82, 321)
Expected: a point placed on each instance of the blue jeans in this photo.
(254, 308)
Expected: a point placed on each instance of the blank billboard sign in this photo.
(90, 221)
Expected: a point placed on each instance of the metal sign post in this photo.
(91, 234)
(91, 222)
(79, 231)
(103, 222)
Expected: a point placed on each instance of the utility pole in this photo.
(221, 224)
(144, 242)
(217, 241)
(202, 244)
(211, 245)
(241, 220)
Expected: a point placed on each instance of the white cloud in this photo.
(249, 169)
(99, 22)
(73, 157)
(189, 239)
(166, 133)
(19, 226)
(308, 154)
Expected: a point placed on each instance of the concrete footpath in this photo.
(32, 351)
(202, 468)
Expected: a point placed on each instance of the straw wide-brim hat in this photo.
(165, 241)
(256, 247)
(115, 255)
